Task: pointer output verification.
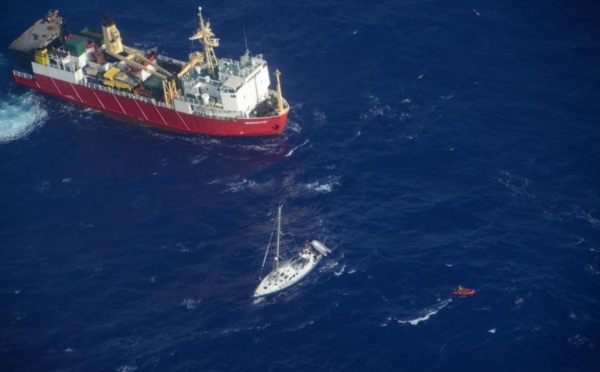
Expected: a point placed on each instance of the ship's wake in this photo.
(19, 116)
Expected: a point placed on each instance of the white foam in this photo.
(588, 217)
(295, 148)
(338, 273)
(592, 269)
(240, 186)
(325, 186)
(258, 300)
(190, 304)
(493, 330)
(128, 368)
(517, 185)
(430, 313)
(319, 116)
(519, 301)
(582, 342)
(19, 116)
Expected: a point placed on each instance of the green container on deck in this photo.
(75, 47)
(154, 85)
(93, 34)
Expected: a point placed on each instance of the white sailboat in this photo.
(289, 271)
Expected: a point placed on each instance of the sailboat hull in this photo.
(289, 273)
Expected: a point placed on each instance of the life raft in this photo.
(462, 291)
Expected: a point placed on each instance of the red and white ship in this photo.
(207, 95)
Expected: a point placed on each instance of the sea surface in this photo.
(430, 144)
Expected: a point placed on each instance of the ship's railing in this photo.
(191, 100)
(121, 93)
(200, 79)
(23, 75)
(103, 88)
(210, 111)
(236, 68)
(68, 66)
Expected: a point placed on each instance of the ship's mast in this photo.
(279, 96)
(278, 235)
(208, 40)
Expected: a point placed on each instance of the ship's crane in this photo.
(196, 58)
(114, 47)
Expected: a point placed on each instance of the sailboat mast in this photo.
(278, 235)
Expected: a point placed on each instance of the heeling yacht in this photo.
(288, 272)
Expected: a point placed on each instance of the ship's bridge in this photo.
(241, 86)
(243, 68)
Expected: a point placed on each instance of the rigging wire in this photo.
(267, 251)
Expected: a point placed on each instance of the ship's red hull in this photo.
(141, 112)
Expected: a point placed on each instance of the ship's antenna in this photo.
(246, 39)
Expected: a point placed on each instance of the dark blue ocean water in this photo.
(430, 144)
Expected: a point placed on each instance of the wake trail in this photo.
(295, 148)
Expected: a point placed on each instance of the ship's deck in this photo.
(37, 36)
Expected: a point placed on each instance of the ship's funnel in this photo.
(106, 20)
(112, 36)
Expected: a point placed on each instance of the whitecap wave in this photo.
(378, 109)
(518, 186)
(319, 116)
(325, 186)
(241, 185)
(428, 313)
(19, 116)
(258, 300)
(190, 304)
(127, 368)
(296, 148)
(581, 342)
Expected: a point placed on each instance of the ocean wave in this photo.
(319, 116)
(197, 159)
(325, 186)
(378, 109)
(296, 148)
(428, 313)
(518, 186)
(581, 342)
(240, 186)
(127, 368)
(293, 126)
(20, 115)
(190, 304)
